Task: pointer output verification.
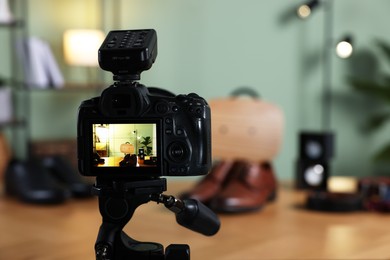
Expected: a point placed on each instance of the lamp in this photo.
(136, 139)
(304, 10)
(81, 46)
(342, 184)
(102, 133)
(127, 148)
(344, 47)
(101, 139)
(5, 12)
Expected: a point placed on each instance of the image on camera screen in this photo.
(124, 145)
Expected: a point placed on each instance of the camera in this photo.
(134, 131)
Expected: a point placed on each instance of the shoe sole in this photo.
(271, 198)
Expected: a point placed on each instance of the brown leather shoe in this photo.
(211, 184)
(249, 186)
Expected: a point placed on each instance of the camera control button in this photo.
(173, 170)
(177, 151)
(182, 98)
(175, 108)
(168, 131)
(178, 171)
(179, 131)
(168, 120)
(162, 108)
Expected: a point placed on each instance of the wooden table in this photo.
(281, 230)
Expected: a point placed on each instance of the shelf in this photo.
(67, 87)
(12, 24)
(13, 123)
(78, 86)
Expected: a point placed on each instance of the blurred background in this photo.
(212, 48)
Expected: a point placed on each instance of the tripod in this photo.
(118, 200)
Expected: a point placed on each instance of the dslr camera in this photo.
(136, 132)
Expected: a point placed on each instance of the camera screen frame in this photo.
(131, 171)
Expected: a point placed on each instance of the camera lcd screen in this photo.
(125, 145)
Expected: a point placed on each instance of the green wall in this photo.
(212, 47)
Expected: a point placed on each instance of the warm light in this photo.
(344, 49)
(342, 184)
(304, 11)
(81, 47)
(102, 133)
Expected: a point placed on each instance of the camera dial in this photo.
(178, 151)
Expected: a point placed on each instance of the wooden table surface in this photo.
(281, 230)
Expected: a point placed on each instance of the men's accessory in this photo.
(50, 180)
(334, 201)
(245, 129)
(249, 187)
(67, 176)
(207, 188)
(248, 132)
(376, 193)
(32, 183)
(237, 186)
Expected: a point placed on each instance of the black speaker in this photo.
(312, 174)
(315, 152)
(316, 146)
(141, 153)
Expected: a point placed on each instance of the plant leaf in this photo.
(372, 88)
(384, 47)
(376, 121)
(383, 154)
(386, 80)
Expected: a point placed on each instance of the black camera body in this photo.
(164, 134)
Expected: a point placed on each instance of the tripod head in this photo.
(118, 200)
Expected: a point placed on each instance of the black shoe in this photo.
(31, 182)
(66, 175)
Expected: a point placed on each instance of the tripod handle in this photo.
(199, 218)
(191, 214)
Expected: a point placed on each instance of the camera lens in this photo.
(178, 151)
